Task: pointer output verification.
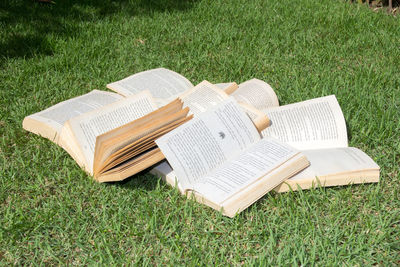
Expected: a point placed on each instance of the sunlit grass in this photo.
(51, 212)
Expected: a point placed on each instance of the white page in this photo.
(88, 126)
(255, 162)
(58, 114)
(202, 97)
(256, 93)
(161, 83)
(330, 161)
(312, 124)
(207, 141)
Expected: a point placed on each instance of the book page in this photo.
(256, 93)
(202, 97)
(333, 167)
(312, 124)
(255, 162)
(163, 84)
(55, 117)
(208, 141)
(325, 162)
(88, 126)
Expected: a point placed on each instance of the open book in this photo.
(110, 137)
(220, 158)
(316, 127)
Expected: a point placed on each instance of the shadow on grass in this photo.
(27, 25)
(143, 180)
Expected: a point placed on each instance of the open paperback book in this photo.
(220, 158)
(112, 137)
(114, 140)
(316, 127)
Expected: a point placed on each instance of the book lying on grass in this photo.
(114, 137)
(332, 167)
(220, 158)
(317, 128)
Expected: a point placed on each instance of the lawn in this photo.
(52, 213)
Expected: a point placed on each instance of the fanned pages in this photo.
(121, 147)
(119, 131)
(220, 158)
(88, 126)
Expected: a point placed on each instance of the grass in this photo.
(52, 213)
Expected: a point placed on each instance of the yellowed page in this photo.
(88, 126)
(260, 120)
(228, 88)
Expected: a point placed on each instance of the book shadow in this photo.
(143, 180)
(30, 26)
(349, 132)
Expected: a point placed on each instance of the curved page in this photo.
(256, 93)
(163, 84)
(312, 124)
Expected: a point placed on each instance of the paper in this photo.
(58, 114)
(208, 141)
(335, 160)
(312, 124)
(256, 93)
(202, 97)
(163, 84)
(255, 162)
(88, 126)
